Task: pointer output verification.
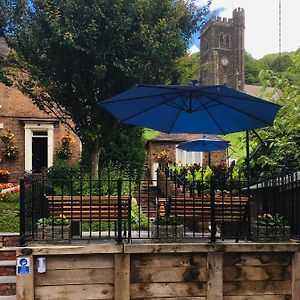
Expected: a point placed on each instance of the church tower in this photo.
(222, 51)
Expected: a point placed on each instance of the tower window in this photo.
(227, 42)
(221, 41)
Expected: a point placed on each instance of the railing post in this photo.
(22, 214)
(248, 184)
(119, 233)
(212, 212)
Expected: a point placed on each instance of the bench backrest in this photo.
(87, 208)
(226, 208)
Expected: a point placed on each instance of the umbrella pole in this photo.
(248, 179)
(209, 158)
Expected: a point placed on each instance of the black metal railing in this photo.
(166, 209)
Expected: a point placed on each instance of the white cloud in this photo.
(262, 23)
(193, 49)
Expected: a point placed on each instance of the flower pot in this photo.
(270, 233)
(55, 234)
(166, 233)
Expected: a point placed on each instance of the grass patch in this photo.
(9, 206)
(9, 223)
(150, 134)
(237, 144)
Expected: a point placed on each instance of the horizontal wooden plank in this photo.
(260, 297)
(168, 274)
(174, 290)
(241, 273)
(174, 298)
(97, 261)
(242, 288)
(72, 250)
(84, 198)
(204, 198)
(72, 292)
(218, 247)
(79, 276)
(168, 260)
(257, 259)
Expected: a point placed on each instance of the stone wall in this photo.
(223, 38)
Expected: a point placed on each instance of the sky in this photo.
(262, 24)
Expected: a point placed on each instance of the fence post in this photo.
(119, 234)
(212, 212)
(22, 214)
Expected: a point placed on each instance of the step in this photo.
(7, 263)
(7, 279)
(12, 297)
(9, 239)
(7, 289)
(8, 253)
(7, 268)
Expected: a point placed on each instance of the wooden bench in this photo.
(79, 209)
(229, 211)
(86, 208)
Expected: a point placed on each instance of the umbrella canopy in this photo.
(204, 145)
(212, 109)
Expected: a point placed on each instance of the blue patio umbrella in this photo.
(204, 145)
(214, 109)
(211, 109)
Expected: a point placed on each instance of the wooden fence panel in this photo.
(76, 277)
(173, 276)
(257, 276)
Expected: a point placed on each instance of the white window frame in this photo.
(30, 128)
(184, 157)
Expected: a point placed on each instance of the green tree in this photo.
(77, 53)
(188, 68)
(283, 143)
(252, 69)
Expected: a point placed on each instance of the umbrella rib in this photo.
(249, 98)
(236, 109)
(143, 111)
(136, 98)
(214, 120)
(175, 119)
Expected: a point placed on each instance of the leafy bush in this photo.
(13, 197)
(62, 169)
(61, 220)
(269, 220)
(171, 220)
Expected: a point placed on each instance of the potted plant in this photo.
(10, 151)
(271, 228)
(57, 229)
(65, 151)
(166, 229)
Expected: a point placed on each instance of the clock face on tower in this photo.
(224, 61)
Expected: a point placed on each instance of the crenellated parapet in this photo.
(238, 16)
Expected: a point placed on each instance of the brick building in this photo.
(37, 134)
(168, 142)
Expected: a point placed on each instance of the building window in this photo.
(221, 41)
(227, 42)
(184, 157)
